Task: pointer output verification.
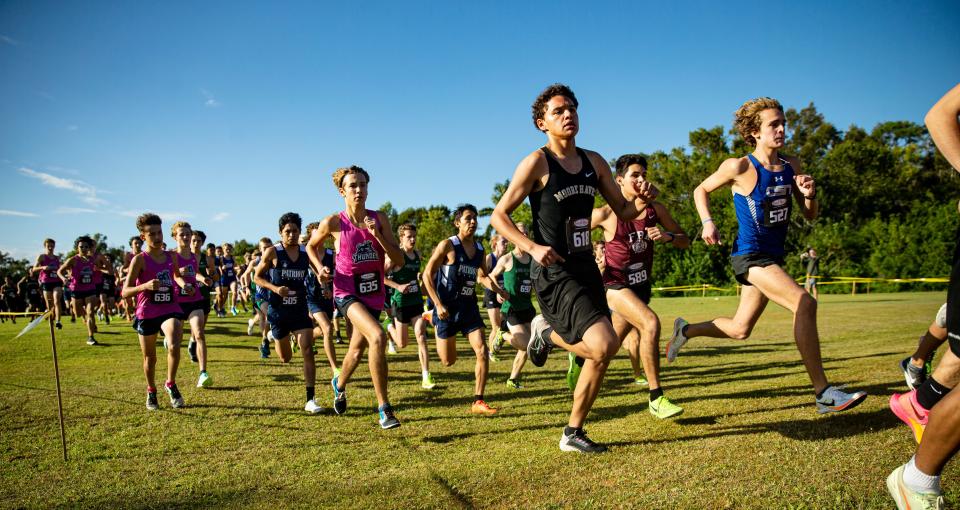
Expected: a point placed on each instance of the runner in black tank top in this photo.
(562, 181)
(627, 276)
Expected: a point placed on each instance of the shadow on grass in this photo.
(158, 499)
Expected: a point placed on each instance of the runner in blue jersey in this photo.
(764, 184)
(283, 272)
(260, 295)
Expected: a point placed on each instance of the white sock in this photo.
(918, 481)
(426, 373)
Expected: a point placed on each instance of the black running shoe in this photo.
(540, 345)
(59, 326)
(107, 319)
(176, 400)
(192, 349)
(579, 442)
(152, 404)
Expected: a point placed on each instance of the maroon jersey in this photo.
(629, 255)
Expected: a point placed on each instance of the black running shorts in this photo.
(150, 327)
(743, 263)
(571, 297)
(953, 302)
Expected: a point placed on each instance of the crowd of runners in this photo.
(353, 271)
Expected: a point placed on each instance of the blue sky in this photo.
(229, 114)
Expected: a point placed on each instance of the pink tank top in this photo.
(359, 264)
(49, 275)
(81, 275)
(163, 301)
(188, 269)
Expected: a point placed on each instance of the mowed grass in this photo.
(750, 436)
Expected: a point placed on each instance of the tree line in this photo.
(887, 204)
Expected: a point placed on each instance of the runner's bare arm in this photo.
(489, 281)
(133, 272)
(386, 238)
(804, 190)
(177, 276)
(325, 229)
(526, 179)
(260, 276)
(726, 175)
(679, 239)
(619, 205)
(942, 123)
(68, 265)
(437, 259)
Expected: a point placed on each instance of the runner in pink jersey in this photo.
(191, 299)
(81, 268)
(362, 238)
(152, 279)
(51, 284)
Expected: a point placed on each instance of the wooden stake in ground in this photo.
(56, 371)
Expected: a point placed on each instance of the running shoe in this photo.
(313, 407)
(391, 347)
(663, 408)
(913, 375)
(640, 381)
(264, 350)
(497, 343)
(73, 320)
(493, 356)
(204, 381)
(427, 382)
(339, 397)
(176, 400)
(250, 323)
(59, 325)
(91, 340)
(906, 498)
(336, 372)
(677, 339)
(579, 442)
(481, 407)
(514, 384)
(834, 400)
(152, 404)
(539, 347)
(573, 370)
(192, 349)
(906, 407)
(339, 338)
(234, 311)
(387, 418)
(107, 319)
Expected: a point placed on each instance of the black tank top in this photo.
(561, 210)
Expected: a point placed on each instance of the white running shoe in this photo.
(391, 347)
(677, 339)
(834, 400)
(312, 407)
(906, 498)
(204, 381)
(250, 327)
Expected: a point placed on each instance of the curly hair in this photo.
(177, 226)
(406, 227)
(340, 173)
(747, 117)
(147, 219)
(540, 103)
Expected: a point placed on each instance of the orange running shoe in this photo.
(481, 407)
(906, 407)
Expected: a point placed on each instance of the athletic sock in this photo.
(918, 481)
(568, 430)
(820, 393)
(425, 373)
(931, 392)
(683, 330)
(655, 394)
(579, 361)
(477, 397)
(151, 390)
(309, 393)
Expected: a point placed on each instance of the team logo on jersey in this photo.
(164, 277)
(576, 189)
(635, 266)
(779, 178)
(638, 242)
(364, 252)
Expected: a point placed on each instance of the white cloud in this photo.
(87, 192)
(9, 40)
(220, 216)
(73, 210)
(73, 127)
(211, 102)
(170, 217)
(7, 212)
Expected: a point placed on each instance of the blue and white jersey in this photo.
(458, 281)
(763, 215)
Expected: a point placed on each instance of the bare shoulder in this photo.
(596, 159)
(332, 222)
(794, 162)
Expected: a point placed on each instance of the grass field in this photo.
(750, 436)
